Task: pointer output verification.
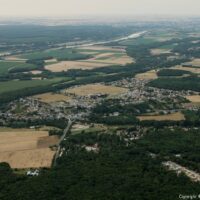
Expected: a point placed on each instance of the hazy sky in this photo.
(98, 7)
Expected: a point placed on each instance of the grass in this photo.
(5, 66)
(138, 41)
(60, 54)
(10, 86)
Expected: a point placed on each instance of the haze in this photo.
(58, 8)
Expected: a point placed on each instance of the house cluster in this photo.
(30, 109)
(179, 169)
(140, 92)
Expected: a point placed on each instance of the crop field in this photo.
(149, 75)
(51, 97)
(14, 58)
(195, 62)
(9, 86)
(100, 49)
(169, 117)
(194, 70)
(59, 54)
(26, 148)
(194, 98)
(92, 89)
(159, 51)
(101, 57)
(35, 72)
(6, 66)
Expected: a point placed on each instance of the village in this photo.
(78, 105)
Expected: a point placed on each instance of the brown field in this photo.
(155, 52)
(190, 69)
(150, 75)
(195, 62)
(66, 65)
(96, 89)
(171, 117)
(35, 72)
(25, 148)
(14, 58)
(100, 59)
(194, 98)
(51, 97)
(51, 60)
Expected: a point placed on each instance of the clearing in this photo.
(149, 75)
(27, 148)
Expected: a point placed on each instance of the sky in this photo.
(57, 8)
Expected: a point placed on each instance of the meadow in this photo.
(59, 54)
(9, 86)
(6, 66)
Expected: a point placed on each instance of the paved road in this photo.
(65, 132)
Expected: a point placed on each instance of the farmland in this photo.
(91, 89)
(191, 69)
(51, 97)
(194, 98)
(116, 100)
(149, 75)
(59, 54)
(159, 51)
(194, 62)
(6, 66)
(26, 148)
(9, 86)
(168, 117)
(101, 57)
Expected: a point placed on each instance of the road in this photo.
(65, 132)
(180, 169)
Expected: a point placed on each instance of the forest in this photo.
(117, 171)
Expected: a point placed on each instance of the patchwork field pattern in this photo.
(102, 57)
(26, 148)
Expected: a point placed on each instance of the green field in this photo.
(138, 41)
(59, 54)
(10, 86)
(5, 66)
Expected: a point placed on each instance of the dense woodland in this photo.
(186, 83)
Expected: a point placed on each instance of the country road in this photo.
(65, 132)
